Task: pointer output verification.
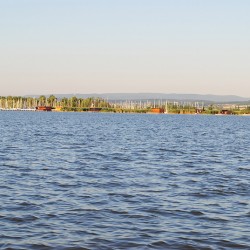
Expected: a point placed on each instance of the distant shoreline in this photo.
(98, 104)
(95, 112)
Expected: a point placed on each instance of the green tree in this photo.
(42, 100)
(51, 100)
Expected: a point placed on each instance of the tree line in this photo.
(84, 104)
(19, 102)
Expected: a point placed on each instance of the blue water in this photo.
(124, 181)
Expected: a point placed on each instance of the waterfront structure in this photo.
(43, 108)
(157, 110)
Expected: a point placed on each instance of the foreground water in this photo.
(124, 181)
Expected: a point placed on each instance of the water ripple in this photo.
(121, 181)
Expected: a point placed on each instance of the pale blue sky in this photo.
(99, 46)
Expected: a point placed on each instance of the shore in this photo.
(117, 112)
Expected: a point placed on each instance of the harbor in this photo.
(95, 104)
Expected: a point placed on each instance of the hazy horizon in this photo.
(139, 46)
(103, 93)
(134, 93)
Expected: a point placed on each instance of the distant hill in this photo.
(145, 96)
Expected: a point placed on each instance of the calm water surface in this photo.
(124, 181)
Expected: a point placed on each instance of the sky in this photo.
(124, 46)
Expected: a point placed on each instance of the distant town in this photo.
(99, 104)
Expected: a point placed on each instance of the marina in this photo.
(97, 104)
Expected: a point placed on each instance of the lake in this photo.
(124, 181)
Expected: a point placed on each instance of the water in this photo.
(124, 181)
